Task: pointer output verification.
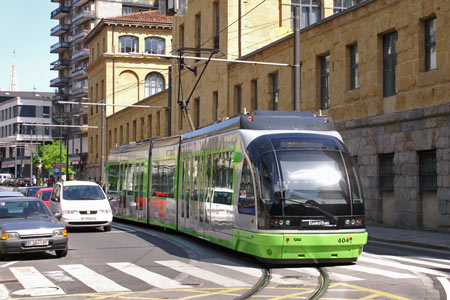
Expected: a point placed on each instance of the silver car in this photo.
(27, 225)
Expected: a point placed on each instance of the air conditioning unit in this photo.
(173, 7)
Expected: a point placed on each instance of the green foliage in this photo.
(53, 153)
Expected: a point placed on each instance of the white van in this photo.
(81, 204)
(3, 177)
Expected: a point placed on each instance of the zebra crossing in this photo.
(32, 282)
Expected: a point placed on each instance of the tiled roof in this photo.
(150, 16)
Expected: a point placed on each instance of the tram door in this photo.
(203, 203)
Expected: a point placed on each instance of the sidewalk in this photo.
(433, 240)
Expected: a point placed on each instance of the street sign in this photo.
(59, 165)
(57, 171)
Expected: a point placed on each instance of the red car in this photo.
(44, 195)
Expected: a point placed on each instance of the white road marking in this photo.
(35, 283)
(418, 262)
(4, 293)
(376, 271)
(9, 264)
(202, 274)
(392, 264)
(92, 279)
(59, 276)
(446, 284)
(147, 276)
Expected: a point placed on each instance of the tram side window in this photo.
(113, 177)
(222, 170)
(129, 184)
(163, 178)
(246, 201)
(270, 187)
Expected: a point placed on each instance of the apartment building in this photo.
(122, 72)
(75, 19)
(19, 139)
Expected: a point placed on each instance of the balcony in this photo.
(60, 12)
(79, 91)
(59, 47)
(58, 30)
(83, 17)
(58, 82)
(78, 36)
(59, 65)
(60, 97)
(78, 74)
(79, 2)
(80, 55)
(79, 110)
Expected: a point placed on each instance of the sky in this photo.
(25, 27)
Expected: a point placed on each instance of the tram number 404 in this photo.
(345, 240)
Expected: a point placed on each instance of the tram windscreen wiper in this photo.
(312, 205)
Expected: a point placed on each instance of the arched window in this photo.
(155, 45)
(154, 83)
(310, 11)
(128, 43)
(340, 5)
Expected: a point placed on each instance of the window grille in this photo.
(427, 171)
(386, 172)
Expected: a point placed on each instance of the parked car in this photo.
(44, 195)
(9, 181)
(3, 177)
(23, 182)
(27, 225)
(20, 189)
(33, 191)
(82, 204)
(7, 193)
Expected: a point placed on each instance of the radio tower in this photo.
(13, 85)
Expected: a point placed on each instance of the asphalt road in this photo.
(133, 261)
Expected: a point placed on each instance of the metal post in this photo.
(297, 74)
(102, 158)
(67, 150)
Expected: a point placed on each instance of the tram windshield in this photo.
(306, 177)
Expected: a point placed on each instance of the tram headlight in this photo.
(281, 222)
(353, 222)
(288, 222)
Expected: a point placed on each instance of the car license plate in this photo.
(88, 218)
(36, 243)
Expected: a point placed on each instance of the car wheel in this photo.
(107, 228)
(61, 253)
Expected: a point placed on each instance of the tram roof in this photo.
(266, 120)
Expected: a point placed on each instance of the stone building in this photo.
(120, 74)
(379, 68)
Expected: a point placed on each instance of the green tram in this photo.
(277, 185)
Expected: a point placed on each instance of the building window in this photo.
(181, 36)
(238, 98)
(340, 5)
(275, 90)
(197, 113)
(427, 171)
(155, 45)
(150, 126)
(134, 130)
(121, 136)
(28, 111)
(389, 64)
(216, 25)
(386, 172)
(158, 123)
(126, 10)
(154, 83)
(310, 12)
(430, 44)
(142, 129)
(354, 67)
(324, 82)
(254, 95)
(198, 33)
(46, 112)
(215, 108)
(128, 43)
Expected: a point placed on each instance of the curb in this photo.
(409, 243)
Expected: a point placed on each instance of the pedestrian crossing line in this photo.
(202, 274)
(92, 279)
(333, 275)
(392, 264)
(446, 285)
(34, 283)
(147, 276)
(418, 262)
(376, 271)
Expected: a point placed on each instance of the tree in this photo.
(55, 153)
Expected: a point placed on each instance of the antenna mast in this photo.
(13, 85)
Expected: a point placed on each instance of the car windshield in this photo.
(33, 192)
(82, 192)
(23, 209)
